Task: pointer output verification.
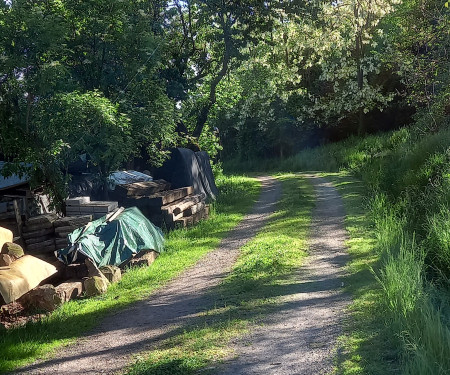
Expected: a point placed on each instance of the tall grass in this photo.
(407, 179)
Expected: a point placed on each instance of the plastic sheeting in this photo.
(112, 243)
(185, 168)
(206, 174)
(127, 177)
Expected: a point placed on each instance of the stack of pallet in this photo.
(169, 208)
(38, 234)
(65, 226)
(81, 206)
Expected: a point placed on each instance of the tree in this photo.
(210, 35)
(58, 57)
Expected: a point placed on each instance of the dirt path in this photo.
(301, 336)
(108, 349)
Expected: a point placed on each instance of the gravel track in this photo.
(109, 348)
(300, 337)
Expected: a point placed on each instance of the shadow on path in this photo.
(108, 349)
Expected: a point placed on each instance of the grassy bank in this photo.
(183, 248)
(261, 276)
(367, 345)
(406, 192)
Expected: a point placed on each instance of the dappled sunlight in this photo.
(262, 276)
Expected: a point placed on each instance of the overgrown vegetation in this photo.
(406, 176)
(258, 79)
(261, 276)
(183, 248)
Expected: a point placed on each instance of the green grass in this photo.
(367, 345)
(183, 248)
(403, 236)
(398, 321)
(259, 279)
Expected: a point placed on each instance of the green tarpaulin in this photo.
(113, 242)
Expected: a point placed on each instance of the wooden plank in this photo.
(64, 231)
(61, 241)
(141, 189)
(73, 221)
(48, 251)
(194, 209)
(193, 219)
(115, 214)
(41, 245)
(77, 201)
(32, 241)
(46, 218)
(181, 205)
(38, 233)
(18, 217)
(7, 216)
(34, 227)
(184, 222)
(165, 197)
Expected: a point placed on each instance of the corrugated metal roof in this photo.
(12, 181)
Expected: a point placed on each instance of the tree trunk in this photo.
(204, 112)
(360, 78)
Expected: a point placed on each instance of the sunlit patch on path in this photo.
(301, 336)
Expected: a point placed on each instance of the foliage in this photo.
(74, 78)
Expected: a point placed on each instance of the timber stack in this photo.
(162, 206)
(65, 226)
(38, 234)
(80, 206)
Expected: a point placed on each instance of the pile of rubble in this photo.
(29, 284)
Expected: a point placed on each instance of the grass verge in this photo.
(184, 247)
(259, 279)
(367, 345)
